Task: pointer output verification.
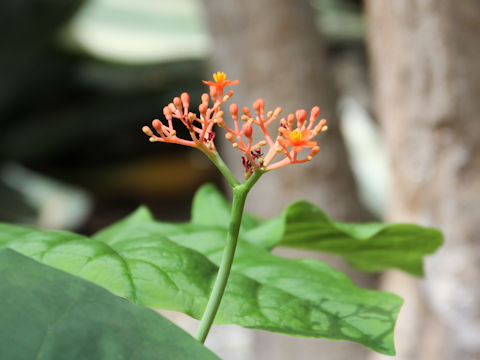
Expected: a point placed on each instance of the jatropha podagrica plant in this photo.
(293, 133)
(172, 265)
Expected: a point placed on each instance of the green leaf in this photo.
(321, 301)
(166, 266)
(299, 297)
(368, 246)
(48, 314)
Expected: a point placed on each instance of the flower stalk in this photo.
(240, 193)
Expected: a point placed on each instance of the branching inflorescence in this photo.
(293, 134)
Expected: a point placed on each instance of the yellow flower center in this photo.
(296, 135)
(219, 76)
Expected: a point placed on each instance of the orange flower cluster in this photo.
(294, 134)
(199, 127)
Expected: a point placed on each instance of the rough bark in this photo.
(425, 64)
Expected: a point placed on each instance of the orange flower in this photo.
(220, 81)
(297, 138)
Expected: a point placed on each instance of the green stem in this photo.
(240, 193)
(217, 160)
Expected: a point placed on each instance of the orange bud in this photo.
(177, 102)
(172, 107)
(247, 129)
(277, 111)
(229, 95)
(147, 131)
(167, 112)
(314, 150)
(301, 116)
(315, 112)
(259, 105)
(157, 124)
(290, 119)
(234, 109)
(203, 108)
(185, 99)
(213, 92)
(205, 98)
(246, 111)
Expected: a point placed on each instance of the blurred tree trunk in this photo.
(274, 48)
(425, 63)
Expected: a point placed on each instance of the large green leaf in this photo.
(160, 265)
(368, 246)
(297, 297)
(48, 314)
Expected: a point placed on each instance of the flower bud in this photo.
(167, 112)
(147, 131)
(314, 151)
(301, 116)
(205, 98)
(157, 124)
(277, 111)
(259, 105)
(247, 129)
(202, 108)
(246, 111)
(315, 112)
(234, 109)
(213, 92)
(177, 102)
(185, 99)
(290, 119)
(228, 96)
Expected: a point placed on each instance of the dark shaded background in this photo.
(70, 116)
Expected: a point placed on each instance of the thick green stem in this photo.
(240, 193)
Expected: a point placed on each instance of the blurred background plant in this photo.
(80, 77)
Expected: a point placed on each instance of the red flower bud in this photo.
(185, 99)
(247, 129)
(315, 112)
(234, 109)
(301, 116)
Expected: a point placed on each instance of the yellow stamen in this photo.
(219, 76)
(296, 135)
